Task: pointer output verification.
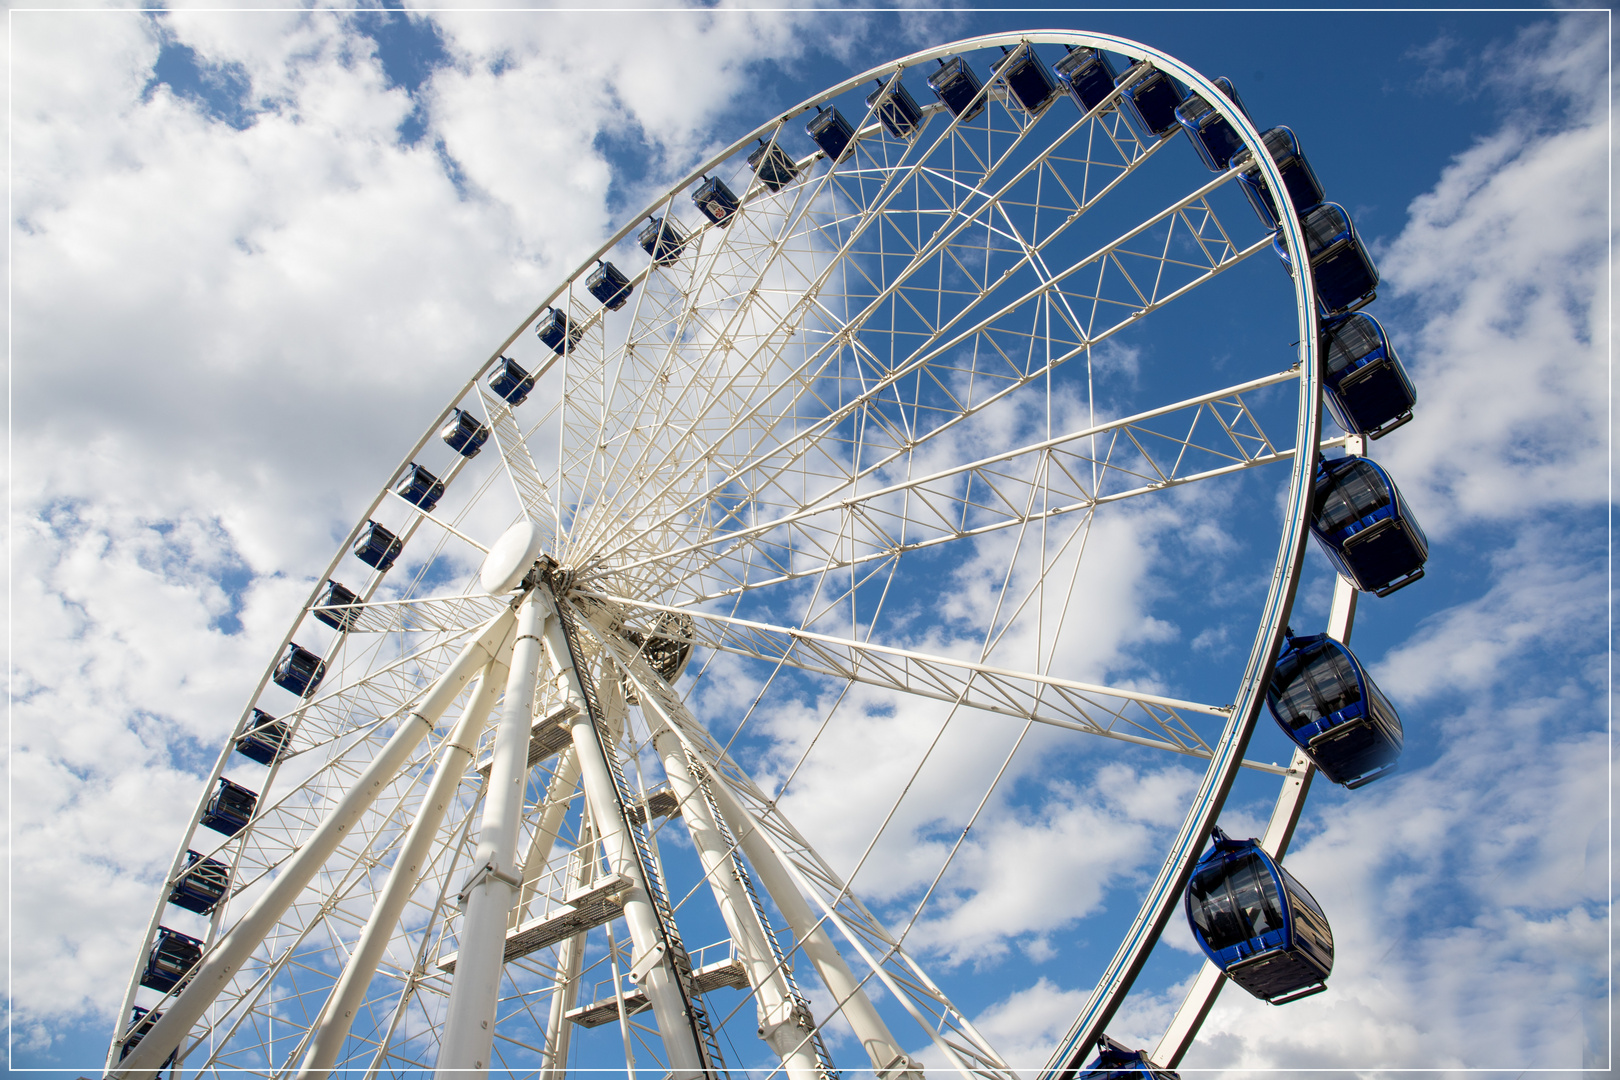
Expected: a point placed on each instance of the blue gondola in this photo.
(263, 738)
(1304, 189)
(230, 809)
(829, 130)
(1343, 271)
(336, 596)
(608, 285)
(1325, 701)
(716, 200)
(1257, 924)
(510, 382)
(1088, 76)
(300, 670)
(1031, 84)
(896, 109)
(140, 1022)
(956, 84)
(772, 165)
(1368, 391)
(419, 487)
(1116, 1061)
(662, 239)
(558, 333)
(201, 885)
(463, 433)
(1153, 98)
(170, 960)
(1212, 135)
(377, 546)
(1361, 521)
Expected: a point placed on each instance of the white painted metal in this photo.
(781, 1023)
(332, 1026)
(230, 952)
(570, 960)
(491, 892)
(652, 967)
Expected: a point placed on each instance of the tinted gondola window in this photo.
(1322, 225)
(1351, 494)
(1349, 341)
(1236, 901)
(1314, 683)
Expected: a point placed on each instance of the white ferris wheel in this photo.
(842, 421)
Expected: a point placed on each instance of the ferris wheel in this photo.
(822, 476)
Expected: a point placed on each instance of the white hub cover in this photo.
(510, 558)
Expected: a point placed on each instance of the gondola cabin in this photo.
(1087, 75)
(337, 596)
(558, 333)
(1325, 702)
(609, 285)
(1364, 526)
(511, 382)
(378, 546)
(1027, 79)
(464, 434)
(140, 1022)
(419, 487)
(1116, 1061)
(264, 738)
(1304, 189)
(300, 671)
(1257, 924)
(170, 960)
(201, 885)
(716, 200)
(831, 132)
(1368, 391)
(1340, 265)
(772, 165)
(1212, 135)
(1153, 97)
(896, 109)
(663, 240)
(230, 809)
(957, 86)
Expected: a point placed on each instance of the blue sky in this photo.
(252, 253)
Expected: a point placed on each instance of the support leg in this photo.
(469, 1029)
(220, 965)
(658, 979)
(332, 1026)
(782, 1022)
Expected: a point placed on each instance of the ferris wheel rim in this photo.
(1290, 551)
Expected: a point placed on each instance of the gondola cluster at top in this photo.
(1249, 915)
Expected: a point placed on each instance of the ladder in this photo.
(674, 951)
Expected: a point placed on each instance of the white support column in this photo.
(881, 1046)
(220, 965)
(570, 960)
(332, 1027)
(781, 1023)
(657, 978)
(491, 892)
